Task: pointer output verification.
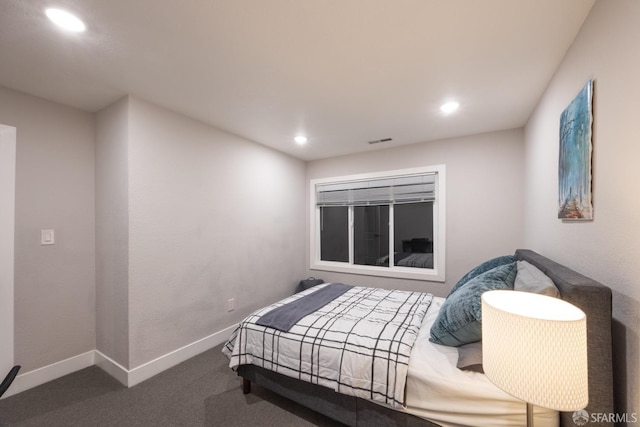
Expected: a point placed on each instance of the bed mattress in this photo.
(440, 392)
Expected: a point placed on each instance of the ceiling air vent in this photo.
(378, 141)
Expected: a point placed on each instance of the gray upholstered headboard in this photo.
(595, 300)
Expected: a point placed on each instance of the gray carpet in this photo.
(202, 391)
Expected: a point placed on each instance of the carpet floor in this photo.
(202, 391)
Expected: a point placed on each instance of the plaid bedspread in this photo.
(358, 344)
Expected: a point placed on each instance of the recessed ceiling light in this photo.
(300, 139)
(65, 20)
(449, 107)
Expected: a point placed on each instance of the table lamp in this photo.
(534, 347)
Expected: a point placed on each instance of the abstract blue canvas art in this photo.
(574, 171)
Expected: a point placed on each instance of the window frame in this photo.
(437, 274)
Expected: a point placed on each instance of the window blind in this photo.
(378, 191)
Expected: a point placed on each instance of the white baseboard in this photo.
(112, 368)
(128, 377)
(50, 372)
(131, 377)
(169, 360)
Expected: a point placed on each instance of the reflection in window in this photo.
(370, 234)
(413, 235)
(334, 233)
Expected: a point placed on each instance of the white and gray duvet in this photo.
(358, 344)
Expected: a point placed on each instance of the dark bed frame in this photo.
(591, 296)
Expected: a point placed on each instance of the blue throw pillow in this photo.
(459, 320)
(482, 268)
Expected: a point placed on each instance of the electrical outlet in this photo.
(231, 304)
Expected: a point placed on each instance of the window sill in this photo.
(430, 275)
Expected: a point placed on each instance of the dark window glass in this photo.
(413, 235)
(371, 235)
(334, 233)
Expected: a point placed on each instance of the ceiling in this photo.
(341, 72)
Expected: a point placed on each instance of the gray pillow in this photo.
(470, 357)
(530, 278)
(482, 268)
(459, 319)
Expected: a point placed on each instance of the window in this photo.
(384, 224)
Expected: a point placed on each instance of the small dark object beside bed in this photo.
(591, 296)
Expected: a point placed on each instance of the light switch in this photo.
(47, 237)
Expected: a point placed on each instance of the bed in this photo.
(416, 253)
(408, 259)
(410, 409)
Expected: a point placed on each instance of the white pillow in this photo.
(530, 278)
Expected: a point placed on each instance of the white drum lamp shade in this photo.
(535, 348)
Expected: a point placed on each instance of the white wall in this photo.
(484, 199)
(211, 217)
(608, 248)
(54, 285)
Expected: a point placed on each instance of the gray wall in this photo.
(186, 217)
(54, 285)
(7, 231)
(607, 248)
(210, 216)
(484, 199)
(112, 232)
